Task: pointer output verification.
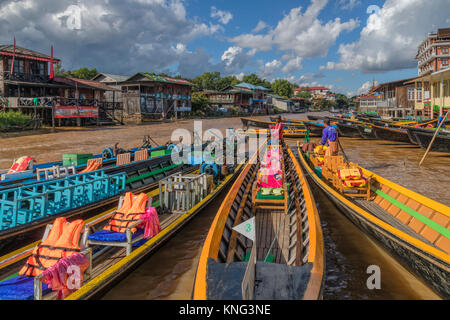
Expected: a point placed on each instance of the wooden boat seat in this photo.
(269, 202)
(124, 158)
(141, 155)
(356, 186)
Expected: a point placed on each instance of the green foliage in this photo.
(283, 88)
(342, 101)
(304, 94)
(199, 102)
(82, 73)
(256, 81)
(13, 119)
(324, 104)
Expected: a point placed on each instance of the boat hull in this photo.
(440, 144)
(314, 129)
(110, 277)
(366, 132)
(255, 123)
(391, 134)
(347, 130)
(432, 270)
(13, 238)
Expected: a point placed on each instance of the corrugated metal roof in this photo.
(250, 86)
(25, 52)
(115, 77)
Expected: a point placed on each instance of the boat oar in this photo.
(434, 138)
(340, 146)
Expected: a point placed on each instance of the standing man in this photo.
(441, 120)
(330, 139)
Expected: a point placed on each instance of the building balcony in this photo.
(24, 77)
(48, 102)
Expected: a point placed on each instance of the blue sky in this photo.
(335, 43)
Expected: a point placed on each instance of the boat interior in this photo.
(275, 265)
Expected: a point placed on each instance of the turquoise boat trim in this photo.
(25, 204)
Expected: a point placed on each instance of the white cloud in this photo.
(269, 69)
(300, 31)
(390, 39)
(260, 26)
(294, 64)
(366, 87)
(235, 59)
(348, 4)
(223, 16)
(111, 36)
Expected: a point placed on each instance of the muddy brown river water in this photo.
(169, 273)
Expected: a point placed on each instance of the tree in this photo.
(283, 88)
(324, 104)
(342, 101)
(256, 81)
(199, 101)
(82, 73)
(304, 94)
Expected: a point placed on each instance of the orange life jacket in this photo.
(21, 164)
(94, 165)
(131, 210)
(62, 241)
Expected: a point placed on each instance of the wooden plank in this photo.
(237, 221)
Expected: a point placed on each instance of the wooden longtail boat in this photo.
(391, 134)
(38, 172)
(288, 133)
(415, 229)
(314, 128)
(366, 132)
(348, 130)
(256, 123)
(111, 262)
(142, 176)
(231, 266)
(266, 124)
(440, 144)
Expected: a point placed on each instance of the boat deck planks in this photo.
(385, 216)
(103, 262)
(270, 222)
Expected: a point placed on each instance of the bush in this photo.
(13, 119)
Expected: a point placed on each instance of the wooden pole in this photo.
(434, 138)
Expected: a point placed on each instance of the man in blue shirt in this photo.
(330, 139)
(441, 119)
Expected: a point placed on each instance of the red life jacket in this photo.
(21, 164)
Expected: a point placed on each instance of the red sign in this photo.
(76, 112)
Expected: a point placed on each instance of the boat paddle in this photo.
(340, 146)
(434, 138)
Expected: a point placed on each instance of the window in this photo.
(445, 50)
(419, 94)
(42, 68)
(19, 65)
(410, 94)
(444, 62)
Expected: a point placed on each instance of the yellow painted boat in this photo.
(413, 228)
(111, 263)
(232, 266)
